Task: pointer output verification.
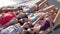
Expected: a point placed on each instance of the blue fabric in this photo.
(5, 32)
(29, 10)
(37, 5)
(14, 27)
(19, 29)
(32, 14)
(34, 19)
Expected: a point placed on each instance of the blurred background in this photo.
(55, 2)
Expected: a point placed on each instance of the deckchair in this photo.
(56, 19)
(48, 9)
(43, 4)
(33, 7)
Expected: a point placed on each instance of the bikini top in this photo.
(33, 17)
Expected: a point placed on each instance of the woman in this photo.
(7, 19)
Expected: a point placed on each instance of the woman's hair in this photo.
(20, 8)
(28, 32)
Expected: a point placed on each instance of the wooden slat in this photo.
(57, 19)
(56, 22)
(37, 19)
(43, 4)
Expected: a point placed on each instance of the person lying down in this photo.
(43, 23)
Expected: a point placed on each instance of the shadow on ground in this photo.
(55, 2)
(56, 30)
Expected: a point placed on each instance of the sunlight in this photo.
(14, 2)
(6, 3)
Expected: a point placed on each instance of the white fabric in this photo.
(15, 2)
(6, 3)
